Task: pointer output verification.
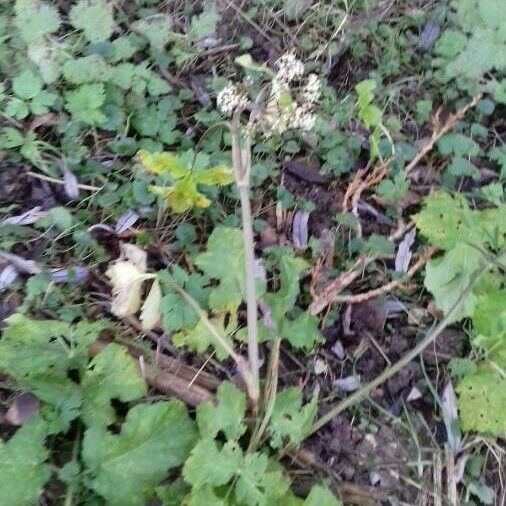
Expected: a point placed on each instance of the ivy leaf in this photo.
(289, 419)
(260, 481)
(226, 416)
(85, 102)
(94, 17)
(153, 439)
(482, 401)
(448, 276)
(321, 496)
(87, 69)
(22, 469)
(210, 465)
(112, 374)
(224, 261)
(26, 85)
(35, 18)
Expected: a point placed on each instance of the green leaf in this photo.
(489, 317)
(205, 496)
(500, 92)
(35, 18)
(224, 261)
(444, 219)
(282, 301)
(210, 465)
(94, 17)
(200, 339)
(204, 25)
(41, 103)
(38, 354)
(498, 155)
(226, 416)
(11, 138)
(289, 419)
(87, 69)
(301, 332)
(112, 374)
(450, 43)
(482, 401)
(378, 244)
(17, 108)
(22, 469)
(163, 163)
(394, 189)
(157, 29)
(125, 468)
(321, 496)
(260, 481)
(448, 276)
(220, 175)
(26, 85)
(458, 144)
(85, 102)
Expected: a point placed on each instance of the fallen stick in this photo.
(166, 382)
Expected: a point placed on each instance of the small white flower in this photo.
(289, 68)
(230, 98)
(311, 90)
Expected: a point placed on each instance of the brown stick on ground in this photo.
(439, 130)
(397, 283)
(166, 382)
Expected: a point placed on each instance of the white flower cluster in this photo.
(290, 104)
(230, 98)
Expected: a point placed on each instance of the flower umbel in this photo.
(230, 98)
(290, 102)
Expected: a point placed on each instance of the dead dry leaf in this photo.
(150, 312)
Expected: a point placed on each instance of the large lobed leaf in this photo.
(125, 468)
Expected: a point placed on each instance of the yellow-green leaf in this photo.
(220, 175)
(162, 163)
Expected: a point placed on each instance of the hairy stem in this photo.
(241, 161)
(361, 393)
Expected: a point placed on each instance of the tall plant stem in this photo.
(241, 160)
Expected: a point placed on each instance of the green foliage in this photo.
(475, 46)
(94, 17)
(112, 374)
(183, 194)
(34, 18)
(85, 103)
(290, 421)
(469, 239)
(226, 416)
(369, 113)
(224, 262)
(22, 469)
(125, 468)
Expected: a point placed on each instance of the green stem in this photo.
(360, 394)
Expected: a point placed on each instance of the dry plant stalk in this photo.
(330, 292)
